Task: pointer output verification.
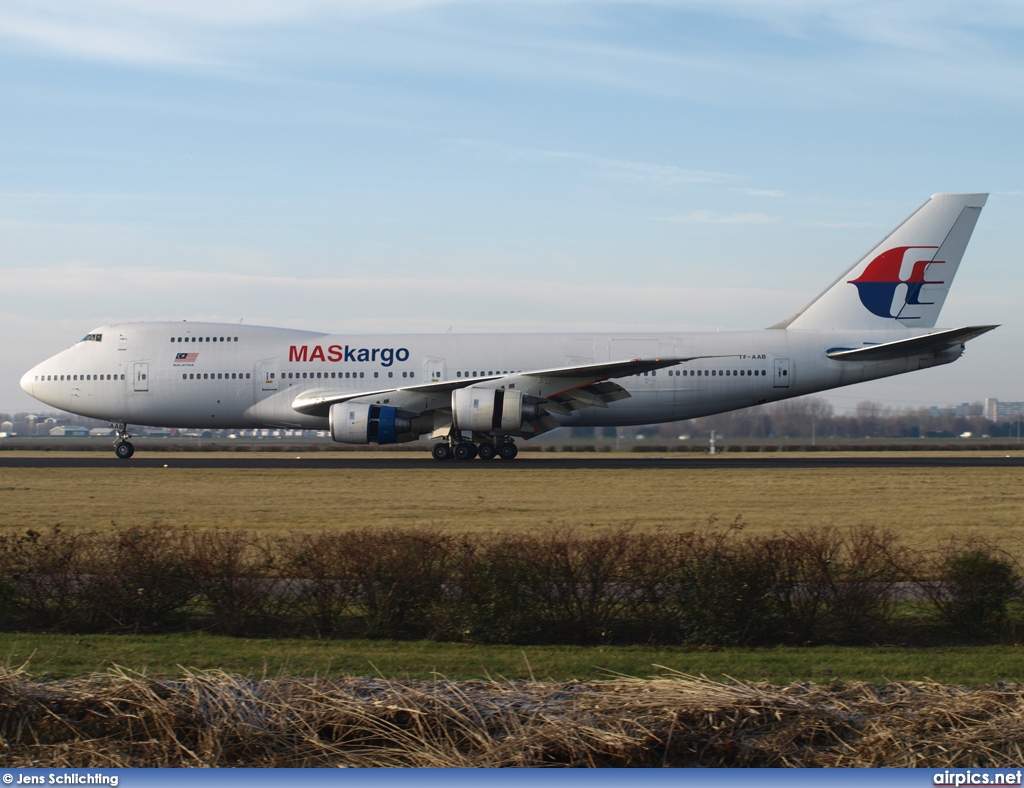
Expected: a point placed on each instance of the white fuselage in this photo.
(234, 376)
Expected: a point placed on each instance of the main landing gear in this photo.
(122, 446)
(464, 450)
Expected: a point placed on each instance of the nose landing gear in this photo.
(122, 446)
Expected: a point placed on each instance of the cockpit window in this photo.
(93, 338)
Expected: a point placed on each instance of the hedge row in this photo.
(715, 588)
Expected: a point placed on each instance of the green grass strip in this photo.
(61, 656)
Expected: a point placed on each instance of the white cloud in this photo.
(901, 45)
(611, 168)
(761, 192)
(175, 294)
(710, 217)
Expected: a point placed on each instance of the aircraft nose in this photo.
(27, 380)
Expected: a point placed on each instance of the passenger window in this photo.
(246, 375)
(375, 374)
(412, 374)
(362, 374)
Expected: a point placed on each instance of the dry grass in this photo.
(927, 505)
(119, 719)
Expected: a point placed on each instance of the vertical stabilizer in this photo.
(904, 280)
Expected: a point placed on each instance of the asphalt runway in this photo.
(682, 463)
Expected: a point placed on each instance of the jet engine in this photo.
(357, 422)
(480, 409)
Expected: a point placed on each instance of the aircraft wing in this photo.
(901, 348)
(560, 390)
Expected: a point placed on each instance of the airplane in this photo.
(472, 395)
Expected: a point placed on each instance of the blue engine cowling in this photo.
(361, 423)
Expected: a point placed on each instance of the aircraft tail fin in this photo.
(903, 281)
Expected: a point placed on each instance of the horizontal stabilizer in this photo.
(915, 346)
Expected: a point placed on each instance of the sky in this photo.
(499, 165)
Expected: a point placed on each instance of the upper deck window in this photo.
(92, 338)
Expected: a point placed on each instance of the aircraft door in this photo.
(782, 373)
(433, 369)
(140, 374)
(266, 375)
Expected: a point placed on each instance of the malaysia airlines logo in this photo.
(185, 358)
(885, 293)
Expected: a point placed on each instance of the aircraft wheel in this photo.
(124, 450)
(464, 451)
(488, 451)
(508, 450)
(441, 452)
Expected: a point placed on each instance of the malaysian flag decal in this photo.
(185, 358)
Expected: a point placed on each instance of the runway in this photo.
(681, 463)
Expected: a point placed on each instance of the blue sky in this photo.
(407, 165)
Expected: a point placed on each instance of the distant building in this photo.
(69, 431)
(1003, 411)
(962, 410)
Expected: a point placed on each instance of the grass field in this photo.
(925, 506)
(59, 656)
